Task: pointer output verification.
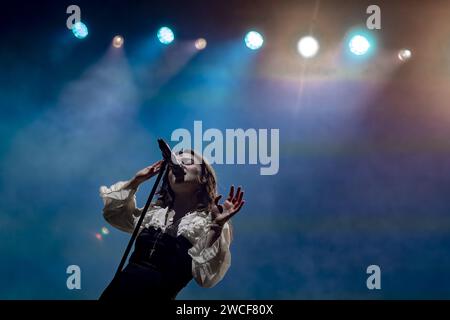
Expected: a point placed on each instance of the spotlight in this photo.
(404, 54)
(253, 40)
(359, 45)
(165, 35)
(200, 44)
(308, 47)
(80, 30)
(117, 41)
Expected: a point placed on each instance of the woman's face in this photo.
(191, 180)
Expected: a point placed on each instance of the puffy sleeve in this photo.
(209, 264)
(120, 209)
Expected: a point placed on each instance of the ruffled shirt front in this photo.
(209, 264)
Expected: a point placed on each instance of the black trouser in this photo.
(159, 268)
(137, 282)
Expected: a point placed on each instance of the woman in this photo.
(186, 234)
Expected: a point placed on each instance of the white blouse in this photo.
(209, 264)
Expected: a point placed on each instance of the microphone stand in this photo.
(138, 225)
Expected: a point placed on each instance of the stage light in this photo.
(105, 231)
(117, 41)
(80, 30)
(200, 44)
(308, 47)
(165, 35)
(359, 45)
(404, 54)
(253, 40)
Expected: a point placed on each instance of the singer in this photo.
(185, 234)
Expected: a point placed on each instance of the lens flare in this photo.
(80, 30)
(404, 54)
(254, 40)
(165, 35)
(200, 44)
(308, 47)
(117, 41)
(359, 45)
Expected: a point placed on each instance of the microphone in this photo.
(171, 159)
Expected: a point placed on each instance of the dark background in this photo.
(364, 149)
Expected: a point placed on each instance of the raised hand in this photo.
(221, 213)
(145, 174)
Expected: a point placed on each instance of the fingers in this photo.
(216, 201)
(230, 195)
(236, 200)
(217, 206)
(156, 166)
(159, 163)
(241, 204)
(149, 171)
(236, 209)
(241, 195)
(237, 196)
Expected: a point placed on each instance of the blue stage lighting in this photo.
(80, 30)
(254, 40)
(359, 45)
(165, 35)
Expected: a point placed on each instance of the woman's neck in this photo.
(184, 203)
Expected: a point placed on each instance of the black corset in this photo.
(166, 254)
(159, 267)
